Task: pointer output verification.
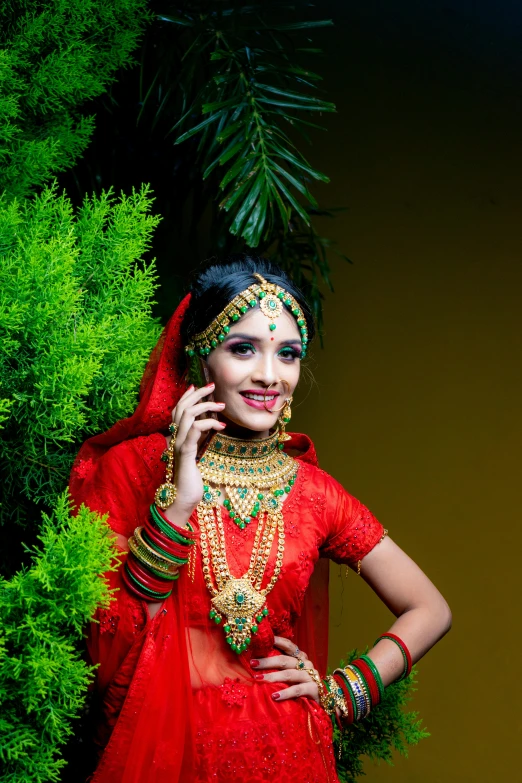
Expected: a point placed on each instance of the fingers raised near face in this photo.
(191, 396)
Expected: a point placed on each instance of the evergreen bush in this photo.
(54, 56)
(75, 329)
(43, 609)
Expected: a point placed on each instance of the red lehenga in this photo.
(176, 703)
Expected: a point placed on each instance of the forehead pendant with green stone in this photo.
(270, 306)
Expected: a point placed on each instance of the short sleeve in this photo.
(353, 530)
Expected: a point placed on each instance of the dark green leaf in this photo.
(309, 107)
(296, 205)
(297, 96)
(196, 129)
(300, 186)
(236, 170)
(176, 19)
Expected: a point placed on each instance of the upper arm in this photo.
(399, 582)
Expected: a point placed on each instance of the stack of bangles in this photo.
(156, 553)
(349, 694)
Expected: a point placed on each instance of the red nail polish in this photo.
(254, 663)
(259, 676)
(275, 696)
(208, 385)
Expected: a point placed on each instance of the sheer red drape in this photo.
(145, 677)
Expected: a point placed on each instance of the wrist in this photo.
(178, 514)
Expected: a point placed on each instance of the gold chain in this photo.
(241, 600)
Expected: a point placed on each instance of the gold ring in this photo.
(299, 664)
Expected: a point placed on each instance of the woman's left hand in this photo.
(298, 680)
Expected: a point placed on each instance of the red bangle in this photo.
(169, 546)
(341, 682)
(145, 576)
(404, 650)
(183, 531)
(133, 589)
(370, 679)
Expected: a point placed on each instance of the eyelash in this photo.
(293, 352)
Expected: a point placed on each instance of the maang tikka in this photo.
(271, 299)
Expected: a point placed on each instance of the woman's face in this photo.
(251, 358)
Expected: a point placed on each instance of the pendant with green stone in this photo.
(210, 495)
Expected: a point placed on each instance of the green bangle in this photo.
(375, 671)
(403, 675)
(146, 590)
(167, 529)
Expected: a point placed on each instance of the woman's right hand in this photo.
(187, 477)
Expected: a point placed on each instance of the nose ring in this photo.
(275, 410)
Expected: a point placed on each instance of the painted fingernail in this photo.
(209, 385)
(254, 663)
(222, 424)
(259, 676)
(275, 696)
(221, 404)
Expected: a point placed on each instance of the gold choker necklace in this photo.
(254, 473)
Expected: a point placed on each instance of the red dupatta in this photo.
(153, 736)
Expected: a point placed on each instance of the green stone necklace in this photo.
(254, 473)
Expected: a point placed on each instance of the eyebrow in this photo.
(253, 339)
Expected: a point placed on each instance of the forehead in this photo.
(256, 323)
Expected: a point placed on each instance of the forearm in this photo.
(419, 628)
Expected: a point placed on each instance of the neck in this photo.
(234, 430)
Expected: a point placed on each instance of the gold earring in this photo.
(283, 419)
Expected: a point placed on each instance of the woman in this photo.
(211, 654)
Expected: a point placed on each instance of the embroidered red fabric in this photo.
(176, 703)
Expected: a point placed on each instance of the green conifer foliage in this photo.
(75, 331)
(54, 56)
(43, 678)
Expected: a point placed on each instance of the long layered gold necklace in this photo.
(252, 473)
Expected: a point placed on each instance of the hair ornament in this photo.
(271, 299)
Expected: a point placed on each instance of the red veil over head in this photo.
(157, 670)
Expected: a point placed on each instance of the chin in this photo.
(256, 423)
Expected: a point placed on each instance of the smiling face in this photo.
(249, 359)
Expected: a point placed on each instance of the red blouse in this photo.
(231, 729)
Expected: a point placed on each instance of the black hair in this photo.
(217, 284)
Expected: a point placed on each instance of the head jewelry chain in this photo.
(271, 299)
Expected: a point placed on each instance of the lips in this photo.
(260, 404)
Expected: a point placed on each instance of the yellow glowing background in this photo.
(417, 403)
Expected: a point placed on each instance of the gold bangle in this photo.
(148, 556)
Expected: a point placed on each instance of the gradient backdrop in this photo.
(417, 404)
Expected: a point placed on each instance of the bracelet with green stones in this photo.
(167, 529)
(375, 671)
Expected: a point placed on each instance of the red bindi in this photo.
(271, 338)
